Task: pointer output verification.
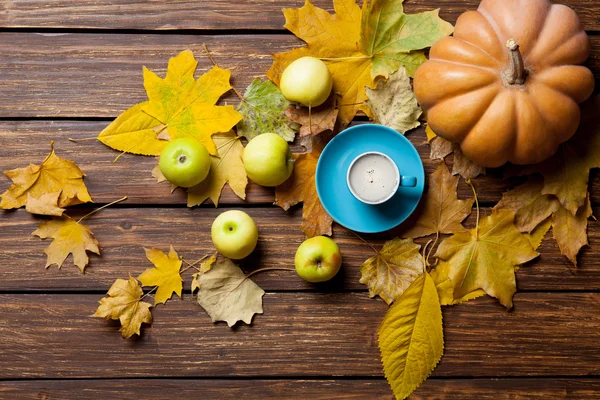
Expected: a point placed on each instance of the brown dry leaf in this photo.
(570, 231)
(443, 211)
(165, 275)
(46, 204)
(566, 173)
(321, 118)
(301, 188)
(392, 270)
(227, 168)
(440, 148)
(463, 166)
(530, 205)
(123, 302)
(227, 295)
(486, 257)
(393, 102)
(69, 237)
(53, 175)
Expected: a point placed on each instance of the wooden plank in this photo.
(100, 75)
(123, 233)
(259, 389)
(22, 142)
(299, 335)
(207, 14)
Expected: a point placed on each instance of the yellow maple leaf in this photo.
(445, 287)
(226, 168)
(42, 182)
(178, 106)
(165, 275)
(300, 187)
(204, 268)
(123, 302)
(443, 211)
(486, 256)
(69, 237)
(360, 45)
(411, 339)
(391, 271)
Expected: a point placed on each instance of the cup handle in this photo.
(408, 181)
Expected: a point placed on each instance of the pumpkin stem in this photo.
(515, 73)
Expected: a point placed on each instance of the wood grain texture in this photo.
(206, 14)
(22, 142)
(123, 233)
(299, 334)
(100, 75)
(299, 389)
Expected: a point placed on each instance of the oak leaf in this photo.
(124, 302)
(178, 106)
(411, 339)
(393, 102)
(226, 294)
(570, 231)
(300, 187)
(391, 271)
(69, 237)
(165, 275)
(264, 110)
(226, 168)
(315, 120)
(443, 211)
(359, 45)
(530, 205)
(41, 183)
(486, 256)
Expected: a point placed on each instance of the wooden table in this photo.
(67, 68)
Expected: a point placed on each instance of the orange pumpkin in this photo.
(507, 85)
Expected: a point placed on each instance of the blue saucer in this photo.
(333, 190)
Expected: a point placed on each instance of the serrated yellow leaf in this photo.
(443, 211)
(537, 235)
(69, 237)
(445, 287)
(178, 106)
(411, 340)
(123, 302)
(392, 269)
(165, 275)
(486, 257)
(204, 267)
(53, 175)
(227, 168)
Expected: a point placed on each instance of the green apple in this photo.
(185, 162)
(318, 259)
(306, 81)
(234, 234)
(268, 159)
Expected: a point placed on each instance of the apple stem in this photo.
(182, 158)
(101, 208)
(269, 269)
(310, 118)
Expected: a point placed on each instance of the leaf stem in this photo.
(193, 265)
(101, 208)
(212, 60)
(148, 293)
(82, 139)
(365, 242)
(476, 207)
(269, 269)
